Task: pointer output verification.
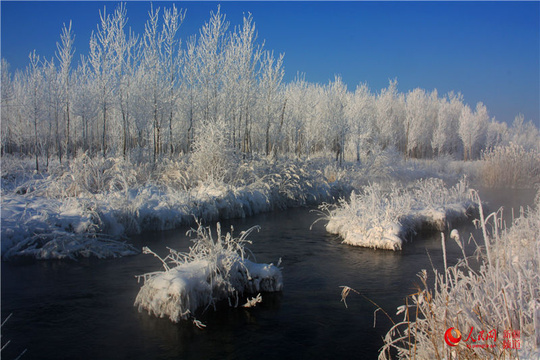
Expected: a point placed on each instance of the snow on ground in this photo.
(54, 229)
(70, 216)
(381, 218)
(84, 207)
(213, 270)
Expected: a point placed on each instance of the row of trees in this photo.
(154, 95)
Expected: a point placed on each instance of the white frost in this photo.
(213, 270)
(381, 219)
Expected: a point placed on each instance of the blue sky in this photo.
(489, 51)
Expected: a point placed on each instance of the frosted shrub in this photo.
(298, 183)
(212, 158)
(379, 218)
(434, 192)
(124, 198)
(212, 270)
(500, 294)
(370, 219)
(57, 229)
(510, 166)
(378, 163)
(87, 175)
(14, 166)
(174, 175)
(333, 173)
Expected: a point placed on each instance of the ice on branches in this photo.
(214, 269)
(378, 218)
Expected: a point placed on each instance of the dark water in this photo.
(84, 310)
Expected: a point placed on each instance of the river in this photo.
(84, 309)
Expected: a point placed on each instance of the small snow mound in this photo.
(213, 270)
(382, 219)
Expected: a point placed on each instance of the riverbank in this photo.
(89, 206)
(487, 308)
(66, 215)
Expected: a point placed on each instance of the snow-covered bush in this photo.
(499, 294)
(511, 166)
(174, 174)
(83, 176)
(381, 218)
(370, 219)
(297, 183)
(56, 229)
(212, 159)
(213, 270)
(116, 197)
(97, 174)
(378, 163)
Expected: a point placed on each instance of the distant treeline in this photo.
(154, 95)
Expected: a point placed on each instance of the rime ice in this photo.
(381, 219)
(213, 270)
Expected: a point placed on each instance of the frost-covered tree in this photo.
(35, 83)
(421, 117)
(271, 94)
(524, 133)
(8, 109)
(53, 110)
(391, 116)
(496, 133)
(154, 76)
(243, 57)
(446, 140)
(104, 61)
(362, 117)
(210, 63)
(85, 105)
(65, 54)
(189, 89)
(472, 130)
(337, 100)
(466, 123)
(126, 59)
(302, 124)
(172, 61)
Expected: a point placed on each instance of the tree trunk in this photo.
(36, 139)
(103, 145)
(68, 146)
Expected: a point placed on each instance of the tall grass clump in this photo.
(383, 218)
(486, 297)
(214, 269)
(213, 159)
(85, 175)
(510, 166)
(174, 175)
(371, 218)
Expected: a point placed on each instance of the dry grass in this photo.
(510, 166)
(500, 294)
